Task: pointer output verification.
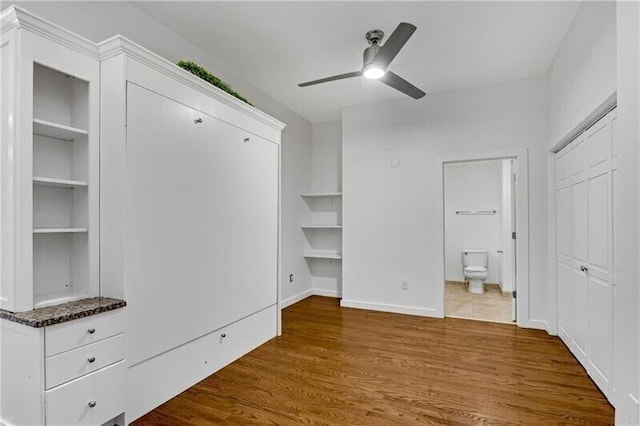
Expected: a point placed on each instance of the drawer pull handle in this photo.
(92, 404)
(91, 359)
(91, 330)
(223, 335)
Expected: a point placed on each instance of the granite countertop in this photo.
(56, 314)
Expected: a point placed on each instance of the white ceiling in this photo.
(276, 45)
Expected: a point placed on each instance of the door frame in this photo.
(520, 157)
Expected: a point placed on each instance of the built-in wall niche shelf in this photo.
(321, 227)
(57, 131)
(58, 183)
(322, 195)
(59, 230)
(317, 254)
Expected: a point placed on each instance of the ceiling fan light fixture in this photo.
(376, 60)
(373, 72)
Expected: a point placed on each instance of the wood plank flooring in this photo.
(340, 366)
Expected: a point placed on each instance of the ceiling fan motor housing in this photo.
(369, 53)
(374, 37)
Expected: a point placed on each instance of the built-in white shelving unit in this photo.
(64, 170)
(324, 230)
(49, 247)
(323, 233)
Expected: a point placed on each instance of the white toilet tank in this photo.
(475, 257)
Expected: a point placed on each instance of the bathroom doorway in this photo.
(479, 239)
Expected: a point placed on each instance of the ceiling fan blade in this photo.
(332, 78)
(399, 83)
(392, 46)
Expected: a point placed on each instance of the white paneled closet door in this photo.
(579, 228)
(599, 268)
(584, 259)
(563, 244)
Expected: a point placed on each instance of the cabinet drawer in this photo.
(90, 400)
(75, 363)
(80, 332)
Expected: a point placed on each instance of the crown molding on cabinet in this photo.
(121, 45)
(17, 17)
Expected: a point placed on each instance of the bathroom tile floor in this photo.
(490, 306)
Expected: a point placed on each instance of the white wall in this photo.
(583, 73)
(100, 20)
(626, 215)
(475, 185)
(390, 152)
(326, 173)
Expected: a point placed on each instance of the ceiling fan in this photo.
(377, 58)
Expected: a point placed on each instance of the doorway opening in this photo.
(480, 239)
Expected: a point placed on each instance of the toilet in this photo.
(475, 264)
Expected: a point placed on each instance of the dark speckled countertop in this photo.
(56, 314)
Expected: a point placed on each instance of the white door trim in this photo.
(522, 226)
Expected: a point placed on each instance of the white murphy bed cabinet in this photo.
(584, 227)
(188, 209)
(189, 220)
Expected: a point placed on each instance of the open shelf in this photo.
(57, 131)
(59, 183)
(64, 159)
(322, 195)
(323, 255)
(58, 230)
(57, 298)
(321, 226)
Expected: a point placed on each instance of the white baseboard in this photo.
(295, 299)
(326, 293)
(308, 293)
(535, 324)
(398, 309)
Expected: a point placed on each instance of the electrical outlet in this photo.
(404, 284)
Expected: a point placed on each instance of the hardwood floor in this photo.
(340, 366)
